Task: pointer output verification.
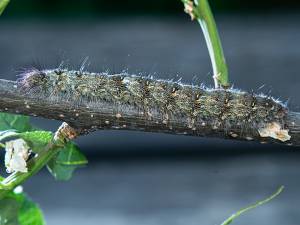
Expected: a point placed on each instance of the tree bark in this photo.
(105, 115)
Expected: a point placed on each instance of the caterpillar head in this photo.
(32, 78)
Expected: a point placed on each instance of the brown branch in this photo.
(106, 115)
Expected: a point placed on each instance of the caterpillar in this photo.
(144, 103)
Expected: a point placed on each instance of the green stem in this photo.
(242, 211)
(3, 4)
(201, 11)
(61, 137)
(34, 165)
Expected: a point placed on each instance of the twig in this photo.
(3, 4)
(202, 12)
(259, 203)
(201, 121)
(62, 136)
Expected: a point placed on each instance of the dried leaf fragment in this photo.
(189, 8)
(275, 131)
(17, 153)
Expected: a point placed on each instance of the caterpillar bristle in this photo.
(164, 100)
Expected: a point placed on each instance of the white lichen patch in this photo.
(17, 152)
(275, 131)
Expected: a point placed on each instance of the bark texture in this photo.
(89, 101)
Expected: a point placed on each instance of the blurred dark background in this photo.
(97, 8)
(157, 179)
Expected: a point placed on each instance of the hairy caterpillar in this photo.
(143, 103)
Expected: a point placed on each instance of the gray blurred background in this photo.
(138, 178)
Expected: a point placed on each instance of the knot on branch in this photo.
(65, 133)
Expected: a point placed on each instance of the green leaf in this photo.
(29, 213)
(9, 208)
(66, 161)
(17, 208)
(3, 4)
(14, 122)
(230, 219)
(60, 172)
(36, 140)
(71, 156)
